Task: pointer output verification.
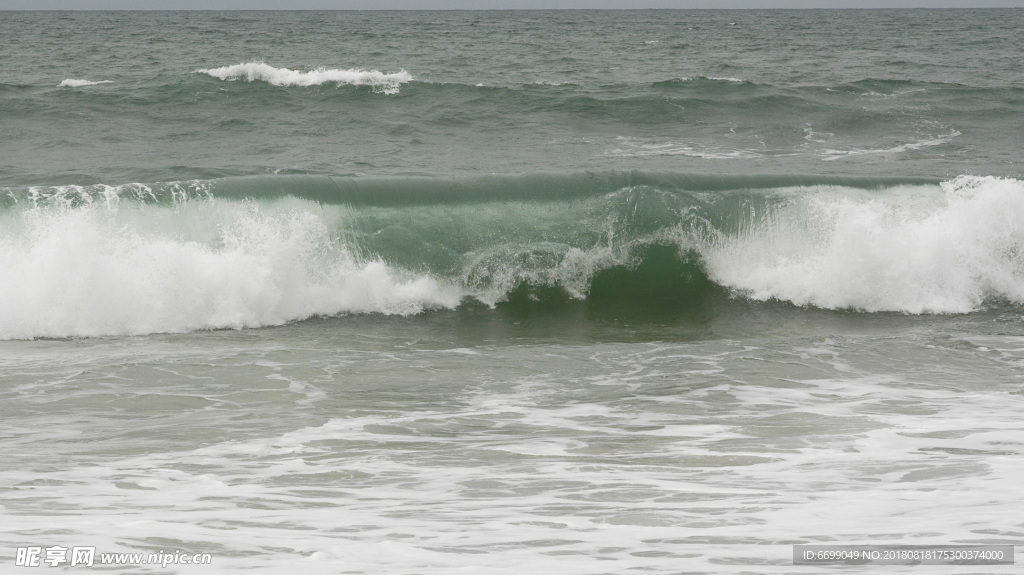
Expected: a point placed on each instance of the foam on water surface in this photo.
(710, 457)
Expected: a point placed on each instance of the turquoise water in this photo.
(567, 291)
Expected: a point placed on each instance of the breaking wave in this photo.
(73, 83)
(385, 83)
(258, 251)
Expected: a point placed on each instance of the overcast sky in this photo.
(484, 4)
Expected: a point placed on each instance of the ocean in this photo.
(501, 292)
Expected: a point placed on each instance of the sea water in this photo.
(505, 292)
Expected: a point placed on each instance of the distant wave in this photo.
(386, 83)
(715, 79)
(72, 83)
(266, 250)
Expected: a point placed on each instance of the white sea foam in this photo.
(705, 457)
(830, 155)
(638, 148)
(911, 249)
(813, 137)
(73, 83)
(713, 79)
(100, 269)
(386, 83)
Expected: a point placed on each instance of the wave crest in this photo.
(97, 269)
(247, 252)
(910, 249)
(73, 83)
(385, 83)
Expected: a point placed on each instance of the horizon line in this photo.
(501, 9)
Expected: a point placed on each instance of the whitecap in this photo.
(118, 267)
(73, 83)
(911, 249)
(382, 82)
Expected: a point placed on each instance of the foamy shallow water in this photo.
(378, 454)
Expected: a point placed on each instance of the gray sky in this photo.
(484, 4)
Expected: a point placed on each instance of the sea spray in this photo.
(912, 250)
(92, 270)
